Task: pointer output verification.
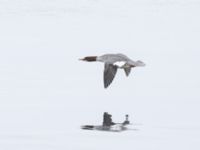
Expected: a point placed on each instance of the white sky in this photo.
(46, 92)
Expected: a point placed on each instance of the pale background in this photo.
(46, 94)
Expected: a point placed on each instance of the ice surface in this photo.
(46, 94)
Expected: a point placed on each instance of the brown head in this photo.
(89, 58)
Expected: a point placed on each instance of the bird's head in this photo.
(89, 58)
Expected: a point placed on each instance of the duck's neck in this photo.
(90, 58)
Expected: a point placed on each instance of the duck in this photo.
(113, 62)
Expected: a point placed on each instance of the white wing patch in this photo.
(119, 63)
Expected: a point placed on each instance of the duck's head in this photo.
(89, 58)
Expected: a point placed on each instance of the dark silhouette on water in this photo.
(126, 120)
(107, 119)
(108, 124)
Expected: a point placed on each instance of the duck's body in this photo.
(112, 63)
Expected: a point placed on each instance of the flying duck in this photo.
(112, 63)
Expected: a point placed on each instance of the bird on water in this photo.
(112, 63)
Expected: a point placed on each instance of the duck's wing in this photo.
(127, 71)
(109, 74)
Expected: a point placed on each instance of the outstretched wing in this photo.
(127, 71)
(109, 74)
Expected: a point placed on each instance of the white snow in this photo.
(46, 93)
